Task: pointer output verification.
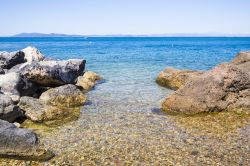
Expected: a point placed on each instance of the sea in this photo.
(122, 121)
(130, 65)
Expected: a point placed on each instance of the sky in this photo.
(134, 17)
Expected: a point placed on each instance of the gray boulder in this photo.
(14, 85)
(64, 96)
(53, 73)
(10, 59)
(9, 111)
(14, 140)
(20, 143)
(224, 88)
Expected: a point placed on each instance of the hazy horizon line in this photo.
(212, 34)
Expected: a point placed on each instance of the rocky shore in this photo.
(39, 90)
(223, 88)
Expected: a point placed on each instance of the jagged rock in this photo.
(53, 73)
(64, 96)
(175, 78)
(32, 54)
(14, 85)
(10, 59)
(242, 60)
(9, 111)
(88, 80)
(20, 143)
(224, 88)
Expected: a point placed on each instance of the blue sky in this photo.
(137, 17)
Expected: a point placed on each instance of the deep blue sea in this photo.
(130, 64)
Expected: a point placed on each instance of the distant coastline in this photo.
(122, 35)
(44, 35)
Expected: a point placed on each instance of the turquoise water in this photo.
(122, 124)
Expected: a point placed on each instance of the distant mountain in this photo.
(44, 35)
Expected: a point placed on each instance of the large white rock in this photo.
(32, 54)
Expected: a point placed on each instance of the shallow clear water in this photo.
(122, 123)
(130, 65)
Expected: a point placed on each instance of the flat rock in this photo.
(88, 80)
(224, 88)
(53, 73)
(10, 59)
(16, 142)
(14, 85)
(32, 54)
(9, 111)
(64, 96)
(175, 78)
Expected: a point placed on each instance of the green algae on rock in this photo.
(52, 125)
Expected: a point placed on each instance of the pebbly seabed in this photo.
(120, 131)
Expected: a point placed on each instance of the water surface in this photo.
(122, 123)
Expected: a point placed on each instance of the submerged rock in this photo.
(9, 111)
(10, 59)
(32, 54)
(88, 80)
(64, 96)
(17, 142)
(53, 73)
(224, 88)
(14, 85)
(175, 78)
